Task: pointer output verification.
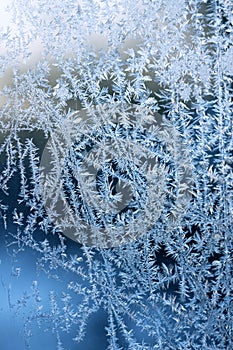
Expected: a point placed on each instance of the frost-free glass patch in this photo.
(116, 175)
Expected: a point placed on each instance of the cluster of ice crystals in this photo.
(116, 167)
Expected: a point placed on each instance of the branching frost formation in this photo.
(116, 167)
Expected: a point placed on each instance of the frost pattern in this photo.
(116, 167)
(110, 174)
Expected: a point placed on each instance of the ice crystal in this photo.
(116, 173)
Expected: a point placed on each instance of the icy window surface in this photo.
(116, 174)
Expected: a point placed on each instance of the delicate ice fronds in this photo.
(116, 171)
